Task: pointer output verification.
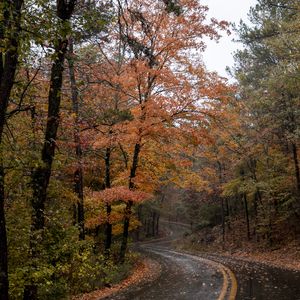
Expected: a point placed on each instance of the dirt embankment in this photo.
(284, 255)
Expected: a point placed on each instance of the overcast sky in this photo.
(218, 56)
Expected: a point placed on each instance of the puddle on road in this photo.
(267, 283)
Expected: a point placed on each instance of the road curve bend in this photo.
(184, 276)
(187, 276)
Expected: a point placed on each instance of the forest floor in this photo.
(283, 255)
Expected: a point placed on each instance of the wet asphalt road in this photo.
(255, 281)
(183, 276)
(188, 277)
(262, 282)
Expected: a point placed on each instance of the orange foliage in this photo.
(120, 193)
(152, 69)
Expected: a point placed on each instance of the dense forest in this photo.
(110, 121)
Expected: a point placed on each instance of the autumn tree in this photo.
(267, 71)
(255, 142)
(41, 175)
(161, 82)
(10, 41)
(269, 63)
(93, 17)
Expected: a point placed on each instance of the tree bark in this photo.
(153, 223)
(220, 169)
(255, 214)
(108, 225)
(129, 204)
(223, 220)
(157, 224)
(125, 231)
(3, 240)
(297, 169)
(41, 175)
(78, 174)
(227, 213)
(139, 213)
(9, 30)
(247, 215)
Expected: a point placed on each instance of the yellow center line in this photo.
(233, 289)
(225, 284)
(234, 285)
(226, 272)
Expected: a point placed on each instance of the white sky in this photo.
(219, 55)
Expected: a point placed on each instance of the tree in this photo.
(140, 120)
(9, 42)
(160, 71)
(78, 174)
(258, 136)
(41, 175)
(269, 64)
(93, 17)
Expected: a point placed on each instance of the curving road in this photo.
(186, 276)
(183, 276)
(209, 277)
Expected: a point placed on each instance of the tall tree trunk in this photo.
(3, 239)
(223, 220)
(148, 227)
(78, 174)
(41, 175)
(157, 224)
(108, 230)
(270, 227)
(220, 169)
(297, 169)
(153, 222)
(227, 213)
(108, 225)
(139, 213)
(124, 242)
(255, 198)
(129, 204)
(9, 30)
(247, 215)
